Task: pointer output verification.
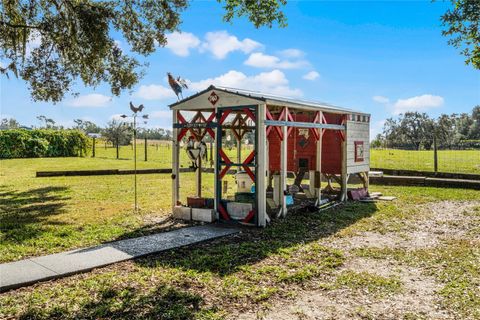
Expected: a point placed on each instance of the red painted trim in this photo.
(250, 114)
(341, 132)
(181, 134)
(315, 130)
(358, 158)
(249, 172)
(224, 156)
(223, 212)
(249, 216)
(227, 166)
(277, 129)
(181, 118)
(290, 118)
(224, 171)
(211, 117)
(225, 115)
(249, 158)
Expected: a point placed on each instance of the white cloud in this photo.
(221, 43)
(312, 75)
(34, 41)
(417, 103)
(274, 82)
(261, 60)
(92, 100)
(180, 43)
(376, 128)
(154, 92)
(161, 114)
(292, 53)
(381, 99)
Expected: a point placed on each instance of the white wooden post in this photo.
(261, 169)
(215, 169)
(175, 162)
(344, 176)
(283, 168)
(318, 165)
(239, 154)
(199, 177)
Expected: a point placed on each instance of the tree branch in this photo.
(11, 25)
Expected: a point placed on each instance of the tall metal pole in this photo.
(135, 156)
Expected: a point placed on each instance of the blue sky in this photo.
(381, 57)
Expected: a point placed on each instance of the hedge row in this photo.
(21, 143)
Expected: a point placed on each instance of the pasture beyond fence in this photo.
(159, 154)
(449, 161)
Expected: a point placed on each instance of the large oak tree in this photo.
(463, 28)
(53, 43)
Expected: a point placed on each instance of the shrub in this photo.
(21, 143)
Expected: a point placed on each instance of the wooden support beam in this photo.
(199, 177)
(344, 175)
(283, 171)
(239, 153)
(260, 186)
(175, 163)
(318, 165)
(297, 124)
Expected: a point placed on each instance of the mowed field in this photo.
(413, 258)
(452, 161)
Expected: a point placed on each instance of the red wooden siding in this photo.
(300, 147)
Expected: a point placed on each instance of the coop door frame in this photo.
(223, 162)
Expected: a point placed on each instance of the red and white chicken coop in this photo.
(279, 149)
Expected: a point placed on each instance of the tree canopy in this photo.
(53, 43)
(414, 130)
(463, 26)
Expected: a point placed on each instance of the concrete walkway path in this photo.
(25, 272)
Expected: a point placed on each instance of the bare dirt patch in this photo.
(432, 226)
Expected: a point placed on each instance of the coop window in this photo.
(359, 151)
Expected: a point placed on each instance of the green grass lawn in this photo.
(454, 161)
(230, 276)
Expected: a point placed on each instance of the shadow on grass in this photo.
(168, 297)
(228, 255)
(163, 302)
(22, 212)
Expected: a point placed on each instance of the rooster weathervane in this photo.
(177, 85)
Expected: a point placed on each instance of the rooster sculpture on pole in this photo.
(177, 85)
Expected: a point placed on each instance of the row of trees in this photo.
(415, 130)
(115, 131)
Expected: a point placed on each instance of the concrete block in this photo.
(238, 210)
(183, 213)
(204, 215)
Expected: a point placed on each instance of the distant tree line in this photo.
(417, 131)
(115, 132)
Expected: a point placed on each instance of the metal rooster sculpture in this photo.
(137, 109)
(177, 85)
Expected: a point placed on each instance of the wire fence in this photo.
(448, 161)
(158, 153)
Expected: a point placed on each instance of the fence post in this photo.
(117, 147)
(145, 148)
(93, 148)
(435, 155)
